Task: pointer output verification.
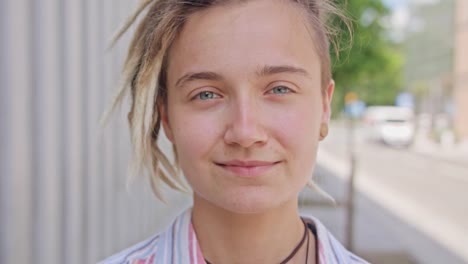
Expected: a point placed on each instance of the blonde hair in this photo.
(144, 75)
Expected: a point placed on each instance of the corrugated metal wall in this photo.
(63, 197)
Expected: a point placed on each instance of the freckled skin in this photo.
(242, 116)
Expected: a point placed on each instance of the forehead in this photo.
(238, 39)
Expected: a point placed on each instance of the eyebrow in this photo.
(191, 76)
(270, 70)
(264, 71)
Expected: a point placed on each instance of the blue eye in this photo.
(280, 90)
(206, 95)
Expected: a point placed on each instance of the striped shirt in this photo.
(178, 245)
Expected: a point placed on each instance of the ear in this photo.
(162, 109)
(327, 98)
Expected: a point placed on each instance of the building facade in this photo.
(461, 70)
(436, 68)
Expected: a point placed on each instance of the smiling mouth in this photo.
(248, 169)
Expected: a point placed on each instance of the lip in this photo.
(247, 168)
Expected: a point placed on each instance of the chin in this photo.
(252, 201)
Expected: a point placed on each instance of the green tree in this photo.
(369, 63)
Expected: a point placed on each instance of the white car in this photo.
(391, 125)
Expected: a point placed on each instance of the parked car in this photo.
(392, 125)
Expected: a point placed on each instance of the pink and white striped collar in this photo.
(330, 251)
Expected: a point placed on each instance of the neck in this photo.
(266, 237)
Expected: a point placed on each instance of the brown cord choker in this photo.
(296, 249)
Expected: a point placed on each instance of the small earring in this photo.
(323, 131)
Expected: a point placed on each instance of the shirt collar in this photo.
(182, 240)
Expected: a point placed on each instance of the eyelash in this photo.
(197, 96)
(215, 95)
(289, 90)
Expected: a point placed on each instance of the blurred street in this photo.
(410, 203)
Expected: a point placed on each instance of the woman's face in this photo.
(245, 104)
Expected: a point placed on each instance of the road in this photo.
(414, 206)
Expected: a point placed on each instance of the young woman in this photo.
(242, 89)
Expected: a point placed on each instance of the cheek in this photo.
(298, 128)
(194, 134)
(298, 134)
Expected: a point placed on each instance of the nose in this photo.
(244, 125)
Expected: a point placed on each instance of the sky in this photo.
(401, 3)
(400, 19)
(395, 3)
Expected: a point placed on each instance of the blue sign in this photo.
(405, 100)
(355, 109)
